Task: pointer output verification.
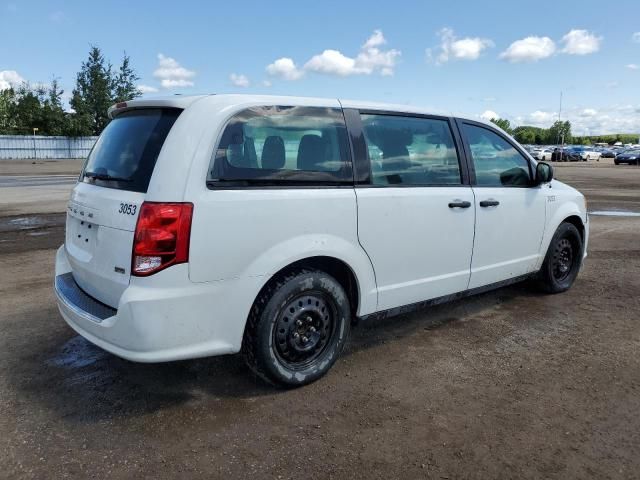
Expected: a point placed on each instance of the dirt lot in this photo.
(509, 384)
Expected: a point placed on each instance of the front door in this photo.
(510, 212)
(415, 212)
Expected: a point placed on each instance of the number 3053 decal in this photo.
(128, 209)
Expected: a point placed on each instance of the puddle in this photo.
(78, 353)
(31, 222)
(38, 234)
(26, 223)
(615, 213)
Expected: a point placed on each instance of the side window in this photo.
(283, 145)
(410, 150)
(497, 163)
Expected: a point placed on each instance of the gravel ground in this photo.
(512, 383)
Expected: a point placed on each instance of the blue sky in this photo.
(470, 58)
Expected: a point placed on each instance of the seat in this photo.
(312, 153)
(273, 153)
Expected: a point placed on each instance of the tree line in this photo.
(98, 86)
(559, 132)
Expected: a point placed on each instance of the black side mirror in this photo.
(544, 173)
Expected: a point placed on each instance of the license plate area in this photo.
(83, 234)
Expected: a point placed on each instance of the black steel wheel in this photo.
(297, 328)
(303, 329)
(563, 259)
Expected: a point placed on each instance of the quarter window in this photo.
(497, 163)
(410, 150)
(283, 145)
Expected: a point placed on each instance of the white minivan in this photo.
(215, 224)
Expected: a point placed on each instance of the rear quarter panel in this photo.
(252, 233)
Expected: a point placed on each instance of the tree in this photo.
(8, 122)
(503, 123)
(54, 119)
(28, 112)
(124, 87)
(93, 95)
(560, 132)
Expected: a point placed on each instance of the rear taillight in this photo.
(162, 237)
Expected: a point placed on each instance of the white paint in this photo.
(403, 245)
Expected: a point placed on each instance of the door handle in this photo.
(489, 203)
(459, 204)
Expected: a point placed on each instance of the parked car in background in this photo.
(559, 154)
(591, 154)
(578, 153)
(608, 153)
(631, 156)
(541, 153)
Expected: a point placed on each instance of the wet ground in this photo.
(509, 384)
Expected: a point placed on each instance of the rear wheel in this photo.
(297, 328)
(562, 262)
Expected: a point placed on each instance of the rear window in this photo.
(283, 146)
(125, 154)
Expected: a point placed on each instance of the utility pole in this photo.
(560, 132)
(35, 154)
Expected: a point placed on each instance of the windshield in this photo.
(125, 154)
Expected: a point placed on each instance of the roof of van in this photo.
(183, 101)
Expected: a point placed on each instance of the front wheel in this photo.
(297, 328)
(563, 260)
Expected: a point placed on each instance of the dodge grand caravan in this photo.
(210, 225)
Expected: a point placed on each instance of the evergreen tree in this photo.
(8, 124)
(54, 119)
(124, 87)
(93, 94)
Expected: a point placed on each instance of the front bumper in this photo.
(158, 319)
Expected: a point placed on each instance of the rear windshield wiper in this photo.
(106, 176)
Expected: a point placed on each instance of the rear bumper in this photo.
(158, 319)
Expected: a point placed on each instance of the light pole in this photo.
(35, 154)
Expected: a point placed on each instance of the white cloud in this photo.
(375, 40)
(529, 49)
(147, 89)
(580, 42)
(266, 83)
(332, 62)
(612, 84)
(488, 115)
(589, 121)
(539, 118)
(9, 79)
(370, 59)
(609, 119)
(172, 74)
(453, 48)
(632, 66)
(636, 37)
(284, 68)
(239, 80)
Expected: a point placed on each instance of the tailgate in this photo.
(99, 238)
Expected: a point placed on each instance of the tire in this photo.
(562, 261)
(297, 328)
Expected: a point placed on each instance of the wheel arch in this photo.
(576, 221)
(337, 268)
(570, 213)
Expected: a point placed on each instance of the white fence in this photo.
(41, 147)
